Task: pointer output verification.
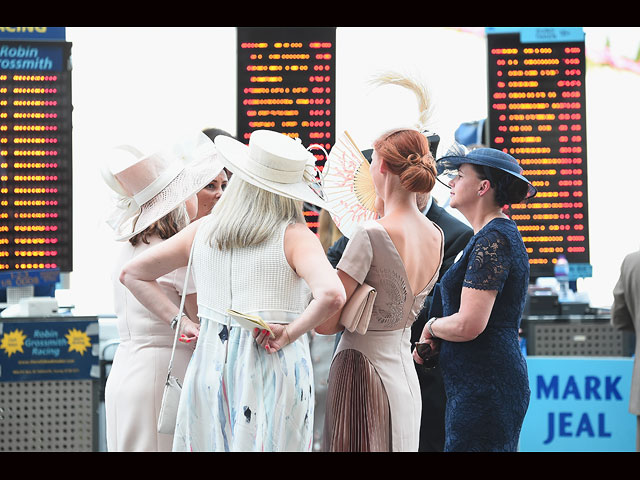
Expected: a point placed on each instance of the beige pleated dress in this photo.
(373, 397)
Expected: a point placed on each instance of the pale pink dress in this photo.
(373, 397)
(133, 393)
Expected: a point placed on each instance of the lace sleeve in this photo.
(489, 262)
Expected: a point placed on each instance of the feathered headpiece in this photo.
(415, 86)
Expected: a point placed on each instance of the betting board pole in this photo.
(537, 113)
(286, 83)
(35, 152)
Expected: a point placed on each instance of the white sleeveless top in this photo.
(255, 280)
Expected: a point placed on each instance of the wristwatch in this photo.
(174, 320)
(429, 323)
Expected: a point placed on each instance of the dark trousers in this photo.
(433, 406)
(434, 399)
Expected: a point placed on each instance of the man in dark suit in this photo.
(456, 237)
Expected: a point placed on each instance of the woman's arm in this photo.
(465, 325)
(306, 256)
(356, 260)
(139, 275)
(332, 325)
(470, 320)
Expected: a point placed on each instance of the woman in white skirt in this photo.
(247, 390)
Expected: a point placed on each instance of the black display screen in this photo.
(286, 83)
(536, 112)
(35, 156)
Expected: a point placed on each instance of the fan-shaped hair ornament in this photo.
(348, 186)
(413, 85)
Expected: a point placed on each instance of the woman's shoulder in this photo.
(501, 234)
(365, 228)
(296, 228)
(371, 224)
(504, 227)
(202, 226)
(499, 231)
(296, 233)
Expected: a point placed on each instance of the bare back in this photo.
(418, 242)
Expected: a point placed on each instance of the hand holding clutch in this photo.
(356, 313)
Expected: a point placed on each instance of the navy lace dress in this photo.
(486, 379)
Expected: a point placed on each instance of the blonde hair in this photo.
(247, 215)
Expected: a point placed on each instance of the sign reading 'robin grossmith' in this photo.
(48, 350)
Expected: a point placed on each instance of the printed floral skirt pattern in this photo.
(253, 401)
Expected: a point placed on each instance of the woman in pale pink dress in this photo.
(156, 198)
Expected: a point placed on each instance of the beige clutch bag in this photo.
(356, 313)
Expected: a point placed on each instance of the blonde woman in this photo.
(245, 390)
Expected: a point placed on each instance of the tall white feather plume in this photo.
(415, 86)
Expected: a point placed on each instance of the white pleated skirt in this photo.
(237, 397)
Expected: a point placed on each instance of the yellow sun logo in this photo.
(12, 342)
(78, 341)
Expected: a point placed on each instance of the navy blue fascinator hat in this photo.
(447, 166)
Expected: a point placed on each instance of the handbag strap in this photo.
(186, 280)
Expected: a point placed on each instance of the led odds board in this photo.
(286, 83)
(35, 154)
(536, 112)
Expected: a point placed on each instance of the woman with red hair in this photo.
(373, 397)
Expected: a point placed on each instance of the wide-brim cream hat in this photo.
(274, 162)
(149, 186)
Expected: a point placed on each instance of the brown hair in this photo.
(406, 154)
(508, 189)
(164, 228)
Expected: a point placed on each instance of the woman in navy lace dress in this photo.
(483, 296)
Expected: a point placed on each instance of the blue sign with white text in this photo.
(48, 350)
(579, 404)
(40, 57)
